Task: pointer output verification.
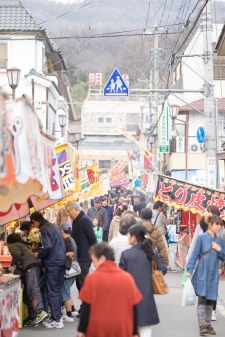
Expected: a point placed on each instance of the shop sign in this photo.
(164, 131)
(187, 196)
(180, 144)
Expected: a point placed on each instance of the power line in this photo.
(149, 5)
(59, 16)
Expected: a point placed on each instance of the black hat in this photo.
(146, 213)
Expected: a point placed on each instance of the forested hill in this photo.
(130, 53)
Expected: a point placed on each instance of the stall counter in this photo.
(10, 286)
(5, 260)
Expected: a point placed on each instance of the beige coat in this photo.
(157, 240)
(114, 227)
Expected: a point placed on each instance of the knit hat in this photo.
(146, 213)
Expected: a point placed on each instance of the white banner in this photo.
(180, 144)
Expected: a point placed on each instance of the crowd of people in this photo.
(118, 237)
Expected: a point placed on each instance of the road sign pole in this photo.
(209, 105)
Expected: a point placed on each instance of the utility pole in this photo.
(209, 103)
(156, 85)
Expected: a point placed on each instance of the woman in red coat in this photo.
(109, 297)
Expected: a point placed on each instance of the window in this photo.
(100, 120)
(3, 56)
(108, 120)
(219, 70)
(106, 164)
(132, 127)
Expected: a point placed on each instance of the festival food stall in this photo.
(188, 203)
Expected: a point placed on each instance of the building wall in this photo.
(112, 114)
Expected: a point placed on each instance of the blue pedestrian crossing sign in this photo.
(116, 86)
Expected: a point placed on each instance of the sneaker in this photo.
(53, 324)
(29, 322)
(75, 313)
(40, 317)
(171, 269)
(213, 318)
(67, 319)
(210, 330)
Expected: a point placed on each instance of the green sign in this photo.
(163, 131)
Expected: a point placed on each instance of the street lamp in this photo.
(174, 110)
(62, 121)
(151, 140)
(77, 138)
(13, 79)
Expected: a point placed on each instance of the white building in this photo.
(188, 75)
(100, 118)
(24, 44)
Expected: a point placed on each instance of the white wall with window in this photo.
(103, 117)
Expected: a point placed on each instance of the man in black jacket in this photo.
(84, 236)
(53, 255)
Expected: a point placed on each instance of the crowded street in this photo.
(112, 168)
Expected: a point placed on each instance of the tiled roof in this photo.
(199, 104)
(17, 18)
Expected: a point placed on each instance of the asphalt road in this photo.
(176, 321)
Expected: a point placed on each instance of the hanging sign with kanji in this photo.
(163, 131)
(187, 196)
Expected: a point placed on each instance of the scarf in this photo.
(203, 225)
(76, 227)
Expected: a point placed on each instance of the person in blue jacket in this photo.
(52, 252)
(109, 211)
(209, 249)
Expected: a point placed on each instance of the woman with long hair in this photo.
(208, 250)
(201, 228)
(97, 229)
(138, 262)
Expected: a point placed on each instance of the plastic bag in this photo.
(184, 277)
(188, 297)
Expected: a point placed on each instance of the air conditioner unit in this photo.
(194, 147)
(37, 105)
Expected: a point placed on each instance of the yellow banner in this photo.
(65, 168)
(96, 189)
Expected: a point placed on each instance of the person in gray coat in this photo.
(98, 212)
(137, 262)
(23, 258)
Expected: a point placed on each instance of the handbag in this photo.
(74, 270)
(159, 285)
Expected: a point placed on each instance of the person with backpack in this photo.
(208, 250)
(52, 252)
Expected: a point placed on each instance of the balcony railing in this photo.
(3, 63)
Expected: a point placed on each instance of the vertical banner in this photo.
(65, 168)
(92, 172)
(163, 131)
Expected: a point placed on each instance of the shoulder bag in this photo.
(159, 285)
(74, 269)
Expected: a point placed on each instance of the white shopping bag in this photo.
(189, 297)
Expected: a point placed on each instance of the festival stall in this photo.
(187, 203)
